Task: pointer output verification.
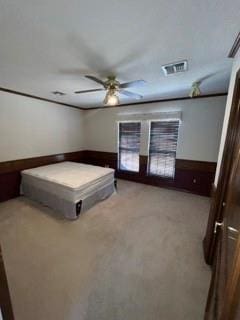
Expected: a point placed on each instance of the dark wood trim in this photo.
(160, 100)
(5, 300)
(215, 214)
(235, 47)
(39, 98)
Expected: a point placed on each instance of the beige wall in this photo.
(199, 133)
(236, 67)
(30, 128)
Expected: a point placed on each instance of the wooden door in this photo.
(229, 296)
(219, 194)
(224, 293)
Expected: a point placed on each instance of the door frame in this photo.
(232, 292)
(5, 299)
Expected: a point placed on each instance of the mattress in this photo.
(69, 180)
(68, 187)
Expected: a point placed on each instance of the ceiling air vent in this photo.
(58, 93)
(176, 67)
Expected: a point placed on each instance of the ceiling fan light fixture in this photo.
(113, 88)
(111, 98)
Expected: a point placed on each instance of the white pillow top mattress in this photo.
(70, 180)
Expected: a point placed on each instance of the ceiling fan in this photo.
(113, 87)
(195, 88)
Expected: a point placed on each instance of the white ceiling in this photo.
(49, 45)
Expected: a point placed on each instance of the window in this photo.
(162, 148)
(129, 146)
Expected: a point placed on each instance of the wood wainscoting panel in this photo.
(10, 177)
(22, 164)
(203, 166)
(195, 181)
(191, 176)
(100, 158)
(9, 185)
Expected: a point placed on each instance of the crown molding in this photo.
(160, 100)
(235, 47)
(108, 107)
(38, 98)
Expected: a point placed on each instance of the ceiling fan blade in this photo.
(199, 81)
(95, 79)
(91, 90)
(131, 94)
(136, 83)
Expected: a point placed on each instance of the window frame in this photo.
(118, 145)
(149, 142)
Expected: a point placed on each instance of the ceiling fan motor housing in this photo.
(112, 84)
(113, 87)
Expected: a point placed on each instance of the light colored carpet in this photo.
(135, 256)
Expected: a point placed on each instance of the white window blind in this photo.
(162, 148)
(129, 146)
